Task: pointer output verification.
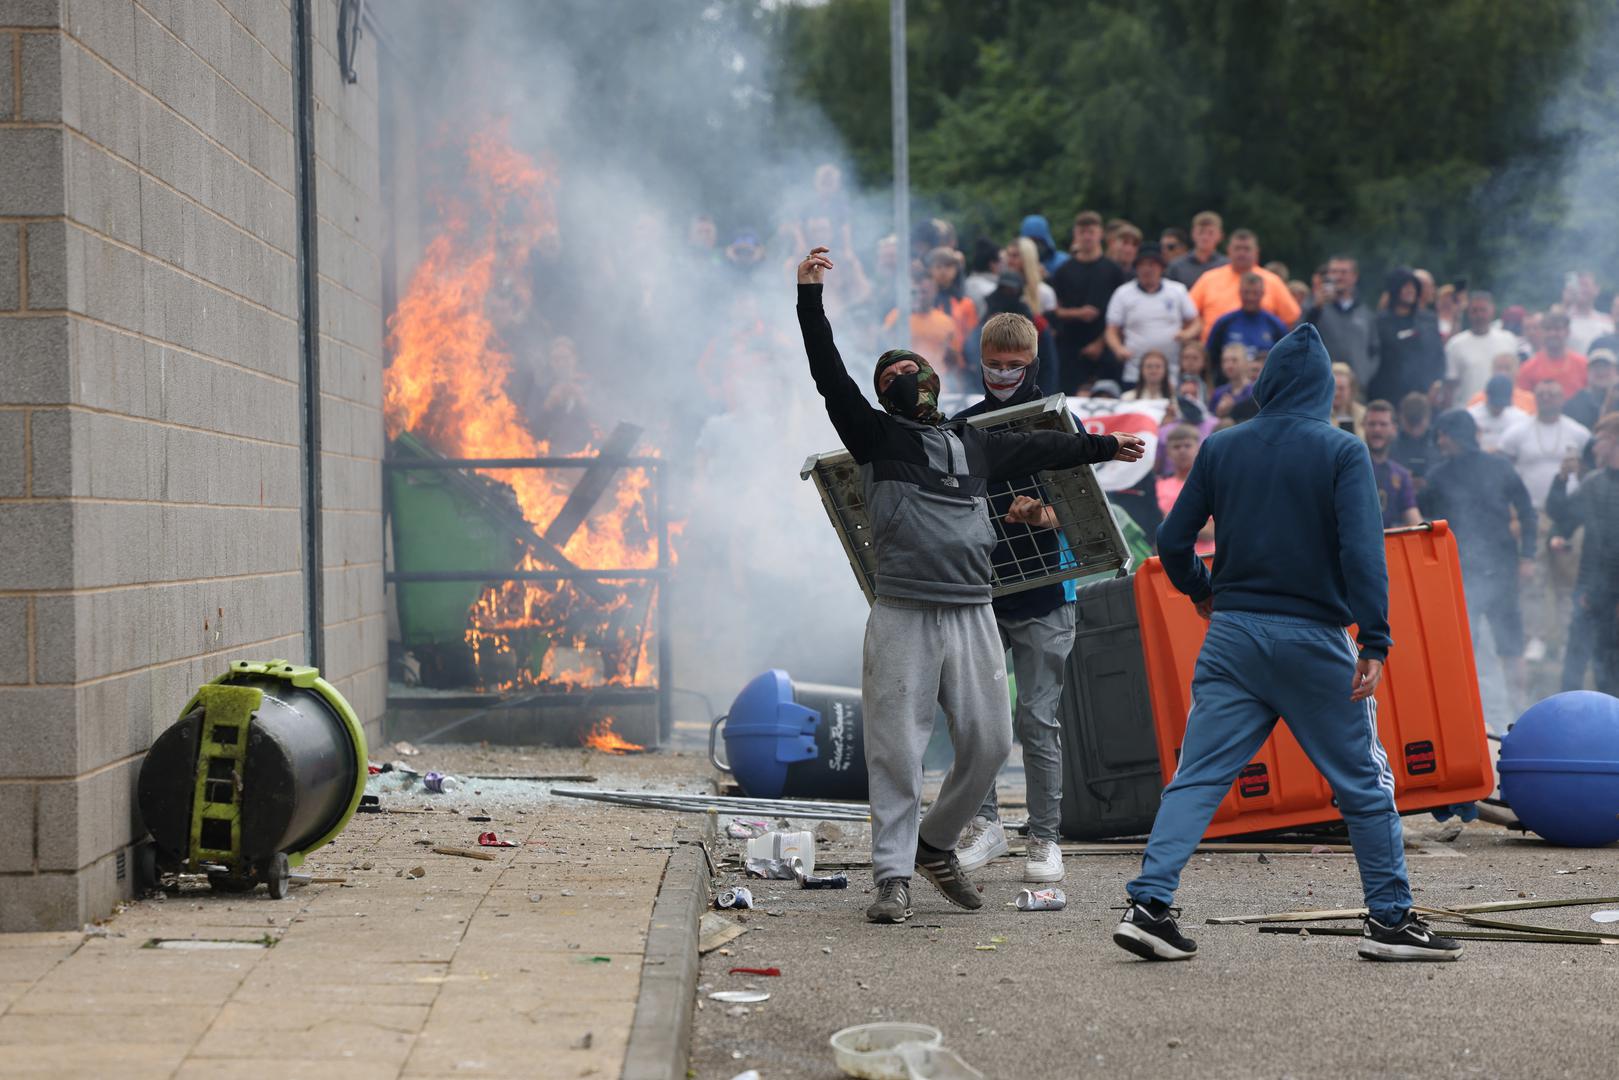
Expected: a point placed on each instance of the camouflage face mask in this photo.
(914, 395)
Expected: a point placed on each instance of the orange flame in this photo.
(602, 737)
(447, 385)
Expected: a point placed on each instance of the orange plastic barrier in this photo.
(1429, 715)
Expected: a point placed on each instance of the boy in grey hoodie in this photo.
(931, 638)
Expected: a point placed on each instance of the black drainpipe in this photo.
(303, 131)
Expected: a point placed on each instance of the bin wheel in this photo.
(277, 872)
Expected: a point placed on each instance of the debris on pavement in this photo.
(734, 805)
(416, 872)
(714, 931)
(766, 972)
(466, 853)
(585, 1041)
(739, 896)
(751, 1074)
(1605, 916)
(1041, 900)
(439, 784)
(479, 817)
(739, 997)
(876, 1050)
(827, 881)
(406, 749)
(746, 828)
(827, 833)
(784, 847)
(489, 839)
(774, 869)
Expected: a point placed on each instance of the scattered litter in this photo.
(1041, 900)
(714, 931)
(1574, 870)
(685, 802)
(740, 997)
(746, 828)
(369, 804)
(548, 778)
(398, 767)
(935, 1063)
(585, 1041)
(406, 749)
(738, 1010)
(739, 897)
(827, 833)
(567, 892)
(489, 839)
(479, 817)
(774, 869)
(873, 1050)
(784, 847)
(1320, 849)
(1262, 858)
(1605, 916)
(595, 959)
(828, 881)
(751, 1074)
(984, 948)
(416, 872)
(439, 784)
(827, 949)
(535, 898)
(466, 853)
(769, 973)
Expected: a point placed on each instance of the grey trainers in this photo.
(893, 903)
(944, 870)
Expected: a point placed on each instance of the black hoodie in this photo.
(1028, 546)
(1411, 354)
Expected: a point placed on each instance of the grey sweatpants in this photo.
(1040, 648)
(919, 657)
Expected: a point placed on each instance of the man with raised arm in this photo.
(1298, 556)
(931, 638)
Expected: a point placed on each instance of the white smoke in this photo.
(650, 114)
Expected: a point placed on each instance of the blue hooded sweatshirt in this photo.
(1038, 229)
(1297, 523)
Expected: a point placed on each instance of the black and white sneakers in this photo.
(893, 903)
(1148, 929)
(1409, 939)
(941, 867)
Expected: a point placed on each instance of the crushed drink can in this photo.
(827, 881)
(739, 897)
(1041, 900)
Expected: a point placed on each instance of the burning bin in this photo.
(793, 739)
(266, 764)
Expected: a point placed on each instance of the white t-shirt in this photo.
(1468, 357)
(1491, 428)
(1539, 450)
(1584, 329)
(1150, 320)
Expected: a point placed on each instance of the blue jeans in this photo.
(1253, 669)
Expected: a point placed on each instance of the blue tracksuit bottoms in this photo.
(1254, 668)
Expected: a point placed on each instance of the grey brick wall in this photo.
(150, 440)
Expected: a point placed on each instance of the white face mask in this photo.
(1003, 384)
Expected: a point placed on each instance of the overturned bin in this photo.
(266, 764)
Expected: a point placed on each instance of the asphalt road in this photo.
(1056, 997)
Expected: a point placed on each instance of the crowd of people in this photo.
(1501, 419)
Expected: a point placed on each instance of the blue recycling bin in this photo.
(793, 740)
(1559, 768)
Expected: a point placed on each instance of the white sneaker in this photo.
(1044, 862)
(980, 842)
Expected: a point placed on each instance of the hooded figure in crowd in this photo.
(1480, 493)
(1411, 354)
(1298, 556)
(1038, 229)
(931, 638)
